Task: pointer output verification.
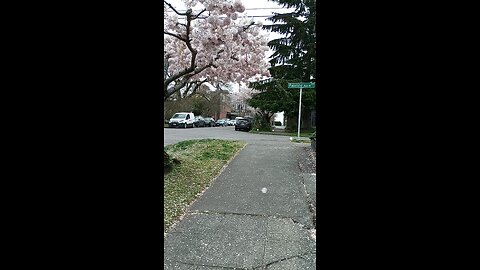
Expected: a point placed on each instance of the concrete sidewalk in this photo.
(256, 215)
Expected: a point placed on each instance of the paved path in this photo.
(254, 216)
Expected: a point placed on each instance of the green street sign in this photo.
(302, 85)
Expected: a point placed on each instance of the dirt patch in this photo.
(308, 161)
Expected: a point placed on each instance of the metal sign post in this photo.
(301, 86)
(299, 112)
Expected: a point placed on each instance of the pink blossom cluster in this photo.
(233, 45)
(243, 94)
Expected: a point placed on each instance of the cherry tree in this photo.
(211, 45)
(243, 95)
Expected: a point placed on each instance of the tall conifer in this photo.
(293, 60)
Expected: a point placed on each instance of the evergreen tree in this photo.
(293, 60)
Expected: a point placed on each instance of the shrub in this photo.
(261, 124)
(167, 160)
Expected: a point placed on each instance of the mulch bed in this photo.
(308, 161)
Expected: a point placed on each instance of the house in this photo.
(224, 106)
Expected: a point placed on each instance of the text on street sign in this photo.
(302, 85)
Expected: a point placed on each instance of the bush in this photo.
(167, 160)
(260, 124)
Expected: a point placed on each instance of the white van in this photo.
(182, 119)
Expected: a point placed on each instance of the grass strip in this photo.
(201, 161)
(300, 141)
(282, 133)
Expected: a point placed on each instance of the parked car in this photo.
(243, 124)
(209, 122)
(199, 121)
(182, 119)
(230, 122)
(221, 122)
(278, 125)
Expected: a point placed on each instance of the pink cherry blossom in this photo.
(221, 46)
(238, 6)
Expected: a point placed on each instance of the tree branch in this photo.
(182, 82)
(197, 85)
(182, 77)
(205, 97)
(192, 61)
(168, 4)
(175, 35)
(196, 16)
(218, 54)
(189, 44)
(182, 24)
(248, 26)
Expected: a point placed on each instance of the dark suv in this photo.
(243, 124)
(199, 121)
(209, 122)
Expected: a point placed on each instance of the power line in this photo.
(264, 8)
(245, 9)
(254, 16)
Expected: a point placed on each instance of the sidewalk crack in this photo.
(288, 258)
(198, 212)
(265, 243)
(293, 219)
(213, 266)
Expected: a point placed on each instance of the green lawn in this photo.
(300, 141)
(201, 162)
(302, 134)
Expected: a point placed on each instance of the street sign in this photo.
(302, 85)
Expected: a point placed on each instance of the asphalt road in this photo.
(174, 135)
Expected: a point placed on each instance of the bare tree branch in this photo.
(168, 4)
(182, 24)
(218, 54)
(196, 16)
(197, 85)
(205, 97)
(248, 26)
